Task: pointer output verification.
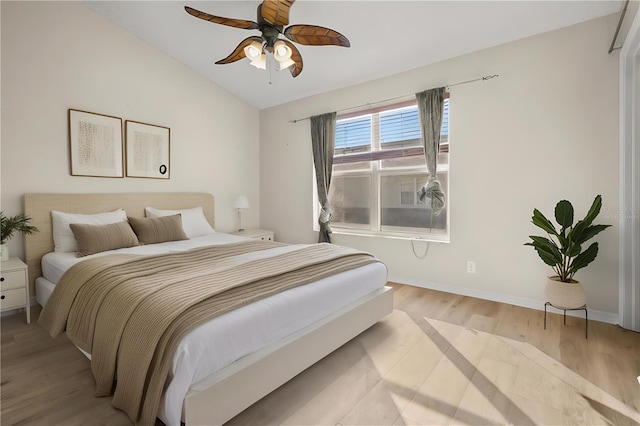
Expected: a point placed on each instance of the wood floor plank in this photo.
(440, 358)
(378, 408)
(286, 401)
(407, 376)
(332, 404)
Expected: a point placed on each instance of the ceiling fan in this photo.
(273, 16)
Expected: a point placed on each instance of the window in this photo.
(378, 170)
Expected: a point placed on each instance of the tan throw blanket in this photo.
(130, 312)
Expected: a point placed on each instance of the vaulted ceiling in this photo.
(386, 37)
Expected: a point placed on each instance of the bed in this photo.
(312, 320)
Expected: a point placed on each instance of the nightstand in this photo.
(257, 234)
(14, 286)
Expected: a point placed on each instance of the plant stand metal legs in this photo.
(582, 308)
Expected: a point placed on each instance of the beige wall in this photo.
(61, 55)
(545, 130)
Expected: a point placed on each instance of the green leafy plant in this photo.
(18, 223)
(562, 250)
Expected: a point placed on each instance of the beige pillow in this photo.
(152, 230)
(91, 239)
(193, 221)
(63, 238)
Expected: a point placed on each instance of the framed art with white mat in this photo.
(95, 144)
(147, 150)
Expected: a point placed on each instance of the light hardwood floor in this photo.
(438, 358)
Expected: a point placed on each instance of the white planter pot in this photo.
(565, 295)
(4, 252)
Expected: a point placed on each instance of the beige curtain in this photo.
(323, 140)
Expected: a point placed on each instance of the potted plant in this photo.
(563, 251)
(19, 223)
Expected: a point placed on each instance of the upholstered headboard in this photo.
(38, 207)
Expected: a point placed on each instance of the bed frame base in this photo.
(221, 396)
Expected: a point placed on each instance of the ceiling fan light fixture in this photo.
(281, 51)
(253, 51)
(273, 22)
(285, 64)
(260, 62)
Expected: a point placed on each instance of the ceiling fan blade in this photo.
(296, 57)
(276, 12)
(236, 23)
(314, 35)
(238, 53)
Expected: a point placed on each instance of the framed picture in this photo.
(147, 148)
(95, 142)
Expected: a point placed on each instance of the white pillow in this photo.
(63, 239)
(193, 221)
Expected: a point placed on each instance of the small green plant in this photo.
(18, 223)
(562, 250)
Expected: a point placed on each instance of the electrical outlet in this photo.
(471, 266)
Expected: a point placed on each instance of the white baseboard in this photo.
(602, 316)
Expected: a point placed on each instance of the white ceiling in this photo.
(386, 37)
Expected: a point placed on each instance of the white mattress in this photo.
(240, 332)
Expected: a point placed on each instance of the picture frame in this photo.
(95, 144)
(147, 150)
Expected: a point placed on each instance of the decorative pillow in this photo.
(91, 239)
(193, 221)
(153, 230)
(63, 239)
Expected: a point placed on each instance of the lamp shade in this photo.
(285, 64)
(253, 50)
(281, 52)
(260, 62)
(242, 202)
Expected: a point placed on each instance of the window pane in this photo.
(386, 162)
(350, 198)
(400, 206)
(411, 118)
(444, 131)
(353, 135)
(400, 128)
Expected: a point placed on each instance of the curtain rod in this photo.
(484, 78)
(615, 36)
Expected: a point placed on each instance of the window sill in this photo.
(393, 235)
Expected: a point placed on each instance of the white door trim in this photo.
(629, 214)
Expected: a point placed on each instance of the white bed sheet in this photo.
(55, 264)
(242, 331)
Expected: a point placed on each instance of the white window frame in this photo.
(376, 173)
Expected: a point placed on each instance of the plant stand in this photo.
(583, 307)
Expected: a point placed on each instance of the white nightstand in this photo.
(258, 234)
(14, 286)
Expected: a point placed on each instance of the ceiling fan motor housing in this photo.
(269, 35)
